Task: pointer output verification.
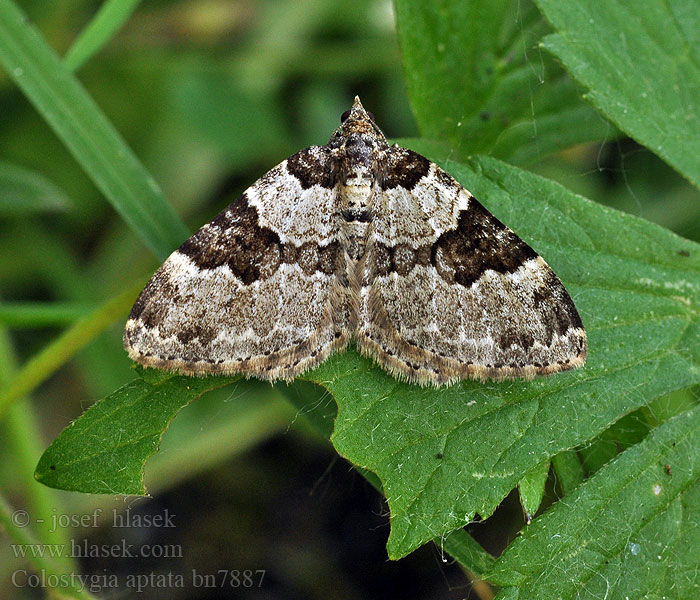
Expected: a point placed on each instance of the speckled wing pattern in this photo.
(359, 240)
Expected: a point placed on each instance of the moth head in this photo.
(357, 112)
(357, 120)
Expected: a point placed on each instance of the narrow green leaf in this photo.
(58, 352)
(85, 131)
(641, 63)
(50, 566)
(22, 445)
(598, 453)
(531, 489)
(629, 531)
(23, 191)
(40, 314)
(467, 552)
(108, 20)
(444, 455)
(104, 451)
(476, 79)
(568, 469)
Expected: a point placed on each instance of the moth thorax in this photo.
(356, 192)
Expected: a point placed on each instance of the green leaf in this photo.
(569, 471)
(531, 489)
(631, 530)
(466, 551)
(641, 63)
(23, 192)
(444, 455)
(87, 134)
(476, 79)
(108, 20)
(104, 451)
(42, 314)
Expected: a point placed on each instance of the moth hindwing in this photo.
(358, 240)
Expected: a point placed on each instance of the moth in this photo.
(357, 240)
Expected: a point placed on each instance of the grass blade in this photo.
(87, 134)
(109, 18)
